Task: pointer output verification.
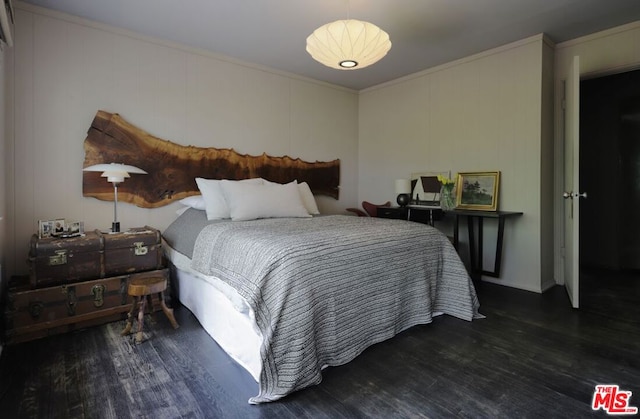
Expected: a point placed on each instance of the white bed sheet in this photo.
(223, 314)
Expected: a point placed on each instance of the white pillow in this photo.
(215, 203)
(268, 182)
(308, 200)
(251, 201)
(195, 201)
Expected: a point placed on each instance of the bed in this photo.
(286, 297)
(283, 290)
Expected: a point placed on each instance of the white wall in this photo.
(485, 112)
(608, 52)
(4, 161)
(481, 113)
(68, 68)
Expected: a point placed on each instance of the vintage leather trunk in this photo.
(36, 313)
(135, 250)
(55, 261)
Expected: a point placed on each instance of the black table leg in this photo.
(475, 274)
(476, 247)
(456, 224)
(498, 261)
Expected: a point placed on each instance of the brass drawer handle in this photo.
(140, 249)
(98, 295)
(35, 309)
(60, 258)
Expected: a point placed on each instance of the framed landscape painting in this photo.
(477, 191)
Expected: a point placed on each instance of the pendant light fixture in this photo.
(348, 44)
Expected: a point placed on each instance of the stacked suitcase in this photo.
(78, 282)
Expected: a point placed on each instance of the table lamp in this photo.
(403, 189)
(115, 173)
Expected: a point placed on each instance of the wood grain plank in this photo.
(172, 168)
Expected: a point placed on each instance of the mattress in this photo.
(222, 313)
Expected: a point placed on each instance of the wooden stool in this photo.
(141, 289)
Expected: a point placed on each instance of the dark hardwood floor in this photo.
(533, 356)
(611, 293)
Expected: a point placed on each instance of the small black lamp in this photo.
(403, 190)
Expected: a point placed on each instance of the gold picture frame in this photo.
(477, 191)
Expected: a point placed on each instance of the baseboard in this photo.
(547, 285)
(497, 281)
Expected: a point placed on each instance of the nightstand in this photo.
(425, 214)
(397, 213)
(81, 281)
(417, 213)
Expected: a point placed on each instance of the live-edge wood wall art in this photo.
(172, 168)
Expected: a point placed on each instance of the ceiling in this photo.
(424, 33)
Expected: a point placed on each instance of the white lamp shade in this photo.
(348, 44)
(403, 186)
(115, 172)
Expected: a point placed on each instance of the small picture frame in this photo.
(45, 228)
(59, 227)
(75, 228)
(477, 191)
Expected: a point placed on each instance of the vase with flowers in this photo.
(447, 195)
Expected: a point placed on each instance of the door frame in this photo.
(558, 154)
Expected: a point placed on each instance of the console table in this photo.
(419, 213)
(426, 214)
(476, 250)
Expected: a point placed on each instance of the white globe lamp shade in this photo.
(348, 44)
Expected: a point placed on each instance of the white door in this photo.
(572, 184)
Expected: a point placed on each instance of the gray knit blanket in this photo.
(324, 289)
